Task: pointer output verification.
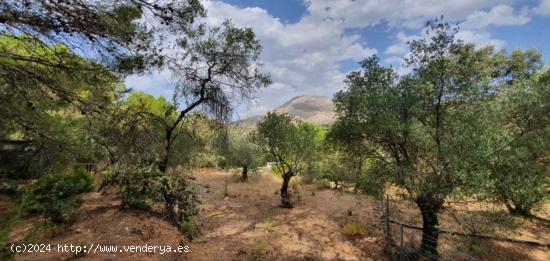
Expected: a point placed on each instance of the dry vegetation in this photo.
(247, 224)
(242, 221)
(482, 219)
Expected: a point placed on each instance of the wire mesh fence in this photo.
(404, 240)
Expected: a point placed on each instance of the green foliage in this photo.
(428, 124)
(239, 150)
(190, 229)
(518, 152)
(135, 132)
(47, 106)
(55, 195)
(112, 32)
(217, 64)
(141, 186)
(181, 197)
(334, 167)
(321, 184)
(290, 145)
(434, 131)
(135, 184)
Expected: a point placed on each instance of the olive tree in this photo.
(423, 128)
(517, 157)
(290, 145)
(239, 150)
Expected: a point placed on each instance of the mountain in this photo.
(310, 108)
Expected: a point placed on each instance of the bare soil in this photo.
(242, 221)
(480, 218)
(243, 224)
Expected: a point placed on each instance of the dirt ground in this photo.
(242, 221)
(481, 218)
(244, 224)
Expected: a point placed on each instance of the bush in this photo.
(180, 196)
(55, 195)
(135, 184)
(353, 228)
(190, 229)
(141, 186)
(132, 198)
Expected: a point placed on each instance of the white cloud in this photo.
(302, 58)
(543, 8)
(498, 16)
(305, 57)
(480, 39)
(400, 47)
(397, 13)
(474, 29)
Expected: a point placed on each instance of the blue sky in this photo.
(310, 45)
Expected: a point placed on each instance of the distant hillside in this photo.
(310, 108)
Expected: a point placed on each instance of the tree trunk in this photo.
(285, 197)
(244, 177)
(430, 227)
(163, 164)
(357, 173)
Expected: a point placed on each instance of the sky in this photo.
(310, 45)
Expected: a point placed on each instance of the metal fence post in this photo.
(387, 221)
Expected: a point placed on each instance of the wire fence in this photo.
(403, 241)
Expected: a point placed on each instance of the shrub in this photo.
(476, 247)
(135, 199)
(259, 248)
(135, 184)
(190, 229)
(369, 183)
(141, 186)
(180, 196)
(353, 228)
(55, 195)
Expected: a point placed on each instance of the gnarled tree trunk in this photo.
(244, 177)
(430, 227)
(285, 197)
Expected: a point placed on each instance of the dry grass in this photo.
(354, 228)
(246, 224)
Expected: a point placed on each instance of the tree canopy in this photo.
(425, 128)
(290, 144)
